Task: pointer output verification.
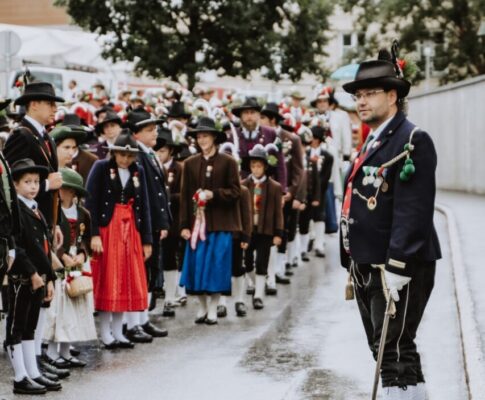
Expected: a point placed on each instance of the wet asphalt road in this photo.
(307, 344)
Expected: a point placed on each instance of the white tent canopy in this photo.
(62, 48)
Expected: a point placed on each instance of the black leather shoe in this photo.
(44, 366)
(221, 311)
(270, 291)
(75, 362)
(137, 335)
(27, 386)
(74, 352)
(51, 377)
(258, 303)
(48, 384)
(209, 321)
(182, 301)
(168, 311)
(201, 320)
(153, 330)
(288, 271)
(250, 290)
(153, 302)
(305, 257)
(111, 346)
(319, 253)
(241, 309)
(57, 363)
(282, 279)
(125, 345)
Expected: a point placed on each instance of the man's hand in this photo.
(296, 204)
(315, 203)
(185, 234)
(147, 251)
(37, 281)
(287, 197)
(50, 291)
(302, 207)
(163, 234)
(395, 283)
(55, 180)
(244, 245)
(277, 241)
(96, 244)
(209, 195)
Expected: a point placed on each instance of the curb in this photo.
(473, 358)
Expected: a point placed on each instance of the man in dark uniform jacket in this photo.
(144, 129)
(31, 140)
(387, 233)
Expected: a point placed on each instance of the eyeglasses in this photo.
(366, 95)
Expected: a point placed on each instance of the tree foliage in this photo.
(452, 25)
(175, 38)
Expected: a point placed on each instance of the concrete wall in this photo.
(454, 115)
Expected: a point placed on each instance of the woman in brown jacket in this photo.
(208, 216)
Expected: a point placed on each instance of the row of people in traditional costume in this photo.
(139, 231)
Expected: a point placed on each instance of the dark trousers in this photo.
(237, 259)
(24, 308)
(261, 244)
(172, 253)
(317, 214)
(401, 365)
(153, 264)
(290, 219)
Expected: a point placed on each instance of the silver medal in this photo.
(378, 182)
(371, 179)
(365, 181)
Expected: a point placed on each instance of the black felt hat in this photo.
(124, 142)
(272, 110)
(249, 104)
(25, 166)
(378, 73)
(38, 91)
(4, 103)
(206, 124)
(139, 118)
(178, 110)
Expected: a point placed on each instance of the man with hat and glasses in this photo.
(31, 140)
(144, 129)
(388, 241)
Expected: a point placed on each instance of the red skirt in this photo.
(119, 276)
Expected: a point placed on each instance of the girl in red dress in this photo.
(121, 238)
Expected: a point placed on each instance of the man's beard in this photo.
(250, 127)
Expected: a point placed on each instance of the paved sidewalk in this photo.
(469, 211)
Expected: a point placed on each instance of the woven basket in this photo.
(80, 286)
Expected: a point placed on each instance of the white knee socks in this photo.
(271, 266)
(105, 327)
(39, 332)
(15, 354)
(64, 350)
(259, 288)
(202, 306)
(304, 240)
(117, 326)
(239, 288)
(30, 361)
(170, 285)
(320, 236)
(212, 309)
(132, 319)
(52, 350)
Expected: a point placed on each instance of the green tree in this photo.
(175, 38)
(452, 25)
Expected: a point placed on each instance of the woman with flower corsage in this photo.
(209, 215)
(70, 319)
(121, 238)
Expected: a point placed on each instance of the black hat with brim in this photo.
(38, 91)
(73, 180)
(250, 104)
(207, 125)
(177, 110)
(4, 103)
(27, 166)
(378, 73)
(271, 110)
(139, 118)
(124, 142)
(165, 138)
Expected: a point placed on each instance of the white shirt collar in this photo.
(37, 125)
(32, 204)
(146, 149)
(260, 180)
(249, 135)
(168, 164)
